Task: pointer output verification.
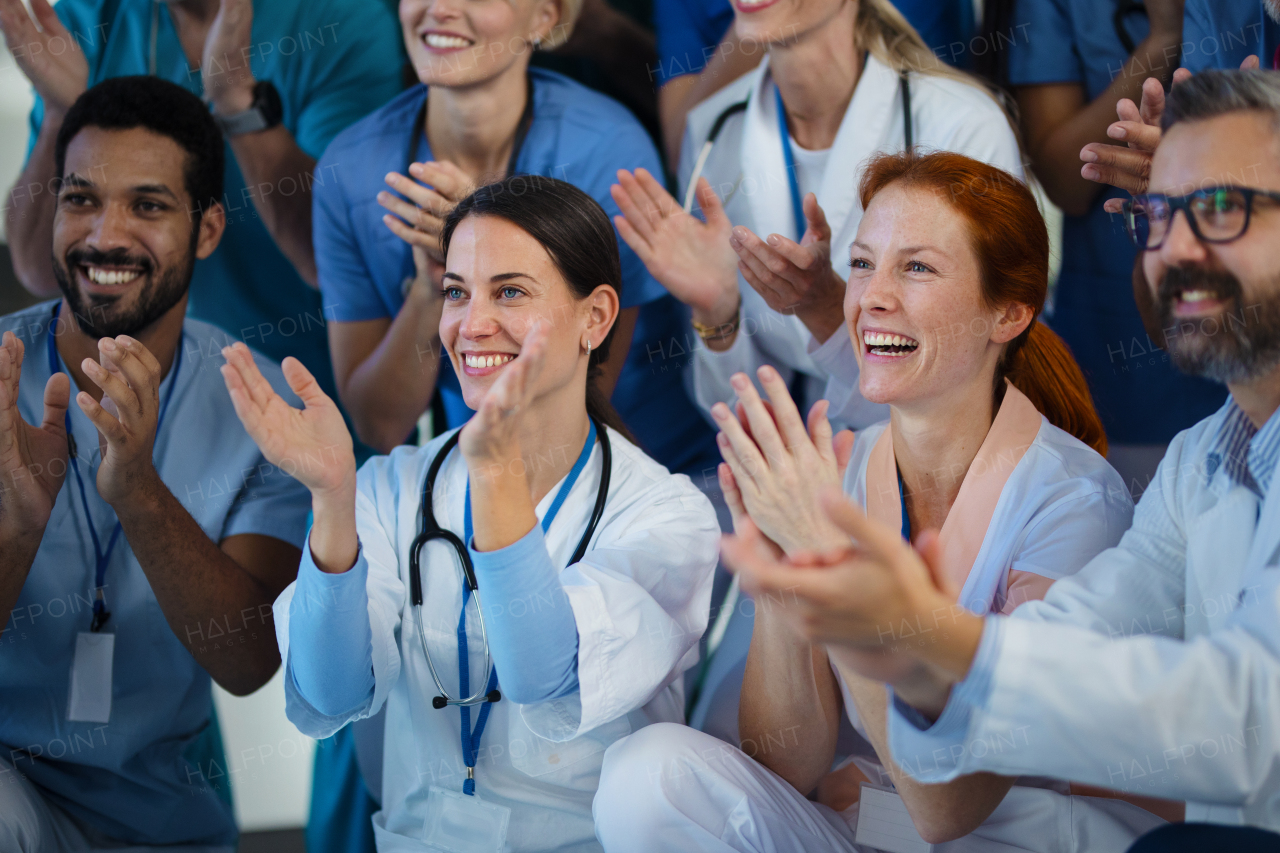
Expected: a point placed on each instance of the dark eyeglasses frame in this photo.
(1183, 203)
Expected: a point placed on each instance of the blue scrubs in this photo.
(332, 62)
(576, 135)
(1221, 33)
(1140, 396)
(689, 30)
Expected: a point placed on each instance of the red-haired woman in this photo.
(990, 458)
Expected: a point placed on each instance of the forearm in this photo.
(201, 589)
(17, 553)
(29, 215)
(788, 695)
(940, 812)
(392, 387)
(1055, 155)
(278, 176)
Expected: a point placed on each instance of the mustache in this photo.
(113, 258)
(1178, 279)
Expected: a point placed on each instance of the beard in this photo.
(1240, 345)
(100, 315)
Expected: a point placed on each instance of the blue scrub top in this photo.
(689, 30)
(577, 135)
(1221, 33)
(1140, 396)
(135, 778)
(332, 62)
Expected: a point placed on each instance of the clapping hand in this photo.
(491, 436)
(228, 82)
(691, 258)
(310, 444)
(432, 189)
(33, 459)
(48, 55)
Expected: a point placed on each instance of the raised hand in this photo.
(691, 258)
(490, 437)
(311, 444)
(795, 278)
(49, 55)
(33, 460)
(228, 82)
(777, 467)
(432, 189)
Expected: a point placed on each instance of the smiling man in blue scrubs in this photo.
(282, 76)
(140, 553)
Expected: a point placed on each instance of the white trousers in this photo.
(671, 788)
(30, 823)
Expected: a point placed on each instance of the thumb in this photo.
(303, 383)
(710, 205)
(816, 218)
(1250, 64)
(844, 450)
(57, 396)
(929, 546)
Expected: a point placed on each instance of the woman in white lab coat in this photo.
(984, 444)
(842, 81)
(592, 564)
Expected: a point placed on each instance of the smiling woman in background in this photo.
(552, 547)
(991, 439)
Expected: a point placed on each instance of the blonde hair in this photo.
(569, 12)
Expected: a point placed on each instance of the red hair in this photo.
(1008, 236)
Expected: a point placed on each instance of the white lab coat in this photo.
(640, 597)
(1155, 669)
(747, 170)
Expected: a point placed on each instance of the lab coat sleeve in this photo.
(640, 598)
(385, 599)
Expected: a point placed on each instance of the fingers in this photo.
(877, 540)
(10, 374)
(816, 218)
(843, 443)
(732, 495)
(820, 431)
(113, 385)
(110, 428)
(1125, 168)
(1139, 136)
(784, 412)
(632, 238)
(257, 389)
(777, 291)
(304, 384)
(18, 26)
(57, 398)
(929, 546)
(1250, 63)
(663, 202)
(446, 178)
(635, 207)
(709, 204)
(49, 20)
(130, 361)
(764, 430)
(416, 194)
(1152, 106)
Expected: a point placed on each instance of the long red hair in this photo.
(1012, 244)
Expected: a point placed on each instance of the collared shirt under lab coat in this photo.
(747, 170)
(1155, 669)
(640, 598)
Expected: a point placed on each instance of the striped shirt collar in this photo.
(1246, 454)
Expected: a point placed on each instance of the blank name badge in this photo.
(89, 698)
(459, 823)
(883, 823)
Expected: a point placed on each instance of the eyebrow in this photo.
(80, 182)
(502, 276)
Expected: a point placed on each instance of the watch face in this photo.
(266, 100)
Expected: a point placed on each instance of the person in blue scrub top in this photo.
(1224, 33)
(698, 53)
(283, 77)
(143, 536)
(481, 113)
(1075, 61)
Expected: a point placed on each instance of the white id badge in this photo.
(89, 699)
(883, 823)
(463, 824)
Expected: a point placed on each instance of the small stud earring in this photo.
(588, 347)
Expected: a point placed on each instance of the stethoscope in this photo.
(904, 89)
(429, 530)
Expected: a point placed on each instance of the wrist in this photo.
(230, 99)
(143, 492)
(719, 313)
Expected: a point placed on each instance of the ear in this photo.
(545, 19)
(602, 313)
(212, 223)
(1012, 321)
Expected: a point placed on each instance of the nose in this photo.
(479, 320)
(876, 293)
(110, 229)
(444, 10)
(1181, 246)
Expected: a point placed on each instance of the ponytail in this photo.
(1044, 369)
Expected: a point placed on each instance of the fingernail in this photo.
(773, 239)
(108, 344)
(1116, 132)
(1089, 172)
(738, 381)
(722, 439)
(720, 411)
(1088, 156)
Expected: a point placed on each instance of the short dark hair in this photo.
(577, 234)
(123, 103)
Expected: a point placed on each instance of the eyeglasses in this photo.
(1215, 214)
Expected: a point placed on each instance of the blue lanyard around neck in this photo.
(789, 157)
(471, 738)
(101, 557)
(906, 519)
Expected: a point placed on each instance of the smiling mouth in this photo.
(879, 343)
(480, 362)
(439, 41)
(109, 277)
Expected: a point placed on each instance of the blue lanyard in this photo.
(471, 738)
(789, 157)
(906, 519)
(101, 557)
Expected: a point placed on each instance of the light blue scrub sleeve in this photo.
(930, 753)
(330, 640)
(533, 635)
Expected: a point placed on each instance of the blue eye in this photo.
(452, 293)
(511, 292)
(860, 264)
(916, 266)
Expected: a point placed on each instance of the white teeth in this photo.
(1196, 295)
(443, 42)
(747, 4)
(100, 276)
(482, 361)
(880, 339)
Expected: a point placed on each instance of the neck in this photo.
(934, 447)
(474, 127)
(1259, 398)
(192, 11)
(161, 339)
(817, 74)
(550, 440)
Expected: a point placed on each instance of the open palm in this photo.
(33, 459)
(311, 444)
(691, 258)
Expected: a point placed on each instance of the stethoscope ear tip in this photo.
(493, 696)
(439, 702)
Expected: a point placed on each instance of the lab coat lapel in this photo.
(764, 183)
(1266, 540)
(863, 132)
